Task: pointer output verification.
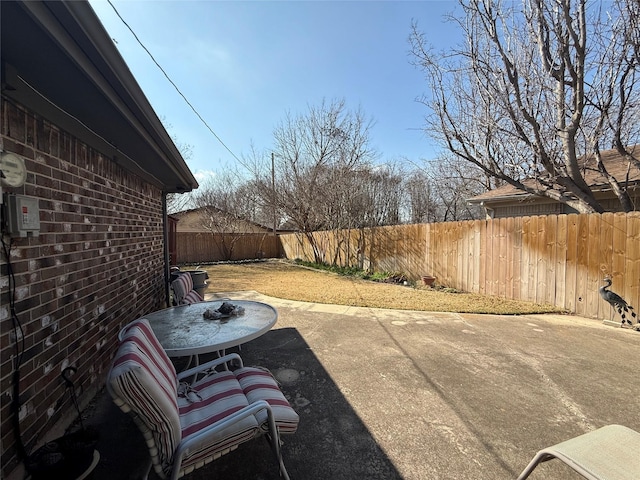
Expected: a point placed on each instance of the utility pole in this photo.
(273, 192)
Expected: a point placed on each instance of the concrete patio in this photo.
(386, 394)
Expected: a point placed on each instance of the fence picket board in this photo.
(582, 257)
(450, 265)
(541, 260)
(503, 252)
(473, 257)
(488, 259)
(631, 290)
(561, 261)
(572, 263)
(534, 257)
(605, 254)
(495, 255)
(619, 246)
(525, 290)
(508, 254)
(516, 234)
(427, 252)
(551, 237)
(592, 266)
(463, 267)
(469, 234)
(433, 241)
(418, 249)
(456, 247)
(441, 259)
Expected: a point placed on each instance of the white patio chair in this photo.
(187, 425)
(608, 453)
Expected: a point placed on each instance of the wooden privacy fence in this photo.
(555, 259)
(209, 247)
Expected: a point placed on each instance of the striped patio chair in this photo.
(187, 425)
(183, 292)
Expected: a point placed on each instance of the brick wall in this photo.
(97, 264)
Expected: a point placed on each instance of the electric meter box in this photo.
(22, 215)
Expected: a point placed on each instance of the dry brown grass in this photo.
(289, 281)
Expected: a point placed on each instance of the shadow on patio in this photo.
(389, 394)
(331, 441)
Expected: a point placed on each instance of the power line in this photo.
(175, 86)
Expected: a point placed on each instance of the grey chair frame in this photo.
(608, 453)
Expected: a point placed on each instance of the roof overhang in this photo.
(59, 61)
(520, 196)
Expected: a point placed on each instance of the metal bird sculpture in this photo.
(617, 302)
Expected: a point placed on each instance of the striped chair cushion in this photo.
(140, 331)
(204, 403)
(259, 384)
(191, 297)
(142, 380)
(181, 286)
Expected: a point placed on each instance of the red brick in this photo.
(101, 227)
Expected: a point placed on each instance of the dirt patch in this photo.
(287, 280)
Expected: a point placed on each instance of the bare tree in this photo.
(534, 89)
(453, 182)
(377, 196)
(419, 198)
(178, 201)
(371, 197)
(314, 158)
(226, 205)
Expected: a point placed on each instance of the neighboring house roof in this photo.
(612, 160)
(58, 60)
(288, 226)
(194, 220)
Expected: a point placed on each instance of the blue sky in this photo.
(244, 65)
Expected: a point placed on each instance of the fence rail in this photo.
(554, 259)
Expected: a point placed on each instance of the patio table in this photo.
(183, 331)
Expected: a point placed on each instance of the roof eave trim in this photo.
(95, 33)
